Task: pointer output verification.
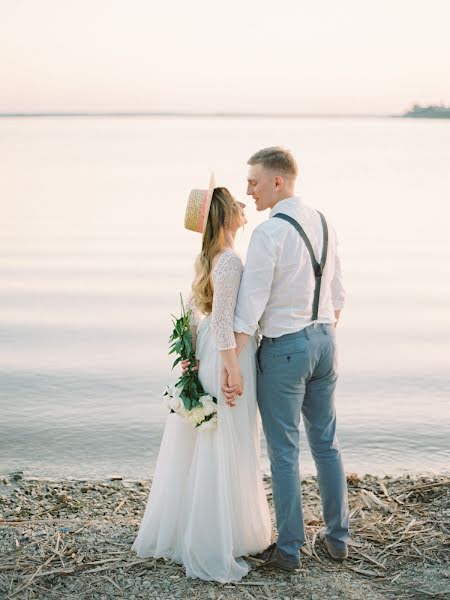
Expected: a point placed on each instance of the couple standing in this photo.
(207, 507)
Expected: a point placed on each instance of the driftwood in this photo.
(72, 539)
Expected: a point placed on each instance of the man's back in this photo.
(277, 287)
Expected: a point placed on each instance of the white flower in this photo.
(173, 400)
(209, 425)
(167, 401)
(172, 390)
(195, 415)
(209, 406)
(177, 405)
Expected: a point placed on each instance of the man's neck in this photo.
(284, 197)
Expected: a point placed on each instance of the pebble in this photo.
(101, 533)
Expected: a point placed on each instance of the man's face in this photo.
(261, 184)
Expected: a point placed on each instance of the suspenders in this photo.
(317, 267)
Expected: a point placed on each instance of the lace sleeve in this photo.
(226, 280)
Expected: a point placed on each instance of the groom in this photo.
(291, 290)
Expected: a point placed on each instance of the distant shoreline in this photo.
(219, 115)
(428, 112)
(225, 115)
(417, 112)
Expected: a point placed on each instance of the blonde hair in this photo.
(224, 210)
(275, 158)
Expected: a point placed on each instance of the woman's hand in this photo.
(185, 366)
(232, 384)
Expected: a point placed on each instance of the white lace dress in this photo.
(207, 507)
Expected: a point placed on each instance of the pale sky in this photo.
(322, 56)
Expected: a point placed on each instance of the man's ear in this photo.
(279, 182)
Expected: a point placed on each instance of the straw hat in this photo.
(198, 205)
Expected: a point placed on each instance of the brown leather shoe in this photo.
(271, 557)
(335, 553)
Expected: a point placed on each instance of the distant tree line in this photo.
(428, 112)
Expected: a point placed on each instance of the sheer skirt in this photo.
(207, 507)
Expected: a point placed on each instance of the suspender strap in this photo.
(317, 267)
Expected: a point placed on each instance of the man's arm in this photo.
(256, 283)
(337, 287)
(241, 340)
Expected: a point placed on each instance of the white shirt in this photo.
(277, 286)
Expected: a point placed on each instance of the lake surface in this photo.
(93, 255)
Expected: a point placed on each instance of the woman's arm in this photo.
(231, 376)
(226, 278)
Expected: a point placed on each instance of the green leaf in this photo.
(180, 343)
(186, 401)
(179, 359)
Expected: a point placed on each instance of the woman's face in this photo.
(242, 219)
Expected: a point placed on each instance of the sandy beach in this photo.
(71, 539)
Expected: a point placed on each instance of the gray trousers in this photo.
(296, 374)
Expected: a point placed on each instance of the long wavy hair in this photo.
(223, 212)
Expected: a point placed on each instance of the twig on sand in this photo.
(398, 525)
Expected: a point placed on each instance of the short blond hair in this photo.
(275, 158)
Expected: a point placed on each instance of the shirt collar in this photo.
(294, 201)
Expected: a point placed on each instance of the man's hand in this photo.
(185, 366)
(232, 385)
(337, 314)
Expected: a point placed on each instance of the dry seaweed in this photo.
(72, 539)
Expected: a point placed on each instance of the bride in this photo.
(207, 507)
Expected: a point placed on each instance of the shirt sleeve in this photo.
(337, 287)
(256, 282)
(226, 280)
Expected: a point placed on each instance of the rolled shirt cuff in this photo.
(338, 305)
(240, 326)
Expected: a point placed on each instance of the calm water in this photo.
(93, 255)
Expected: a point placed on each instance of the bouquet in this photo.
(187, 398)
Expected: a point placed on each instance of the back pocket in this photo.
(287, 349)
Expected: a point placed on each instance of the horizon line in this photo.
(221, 114)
